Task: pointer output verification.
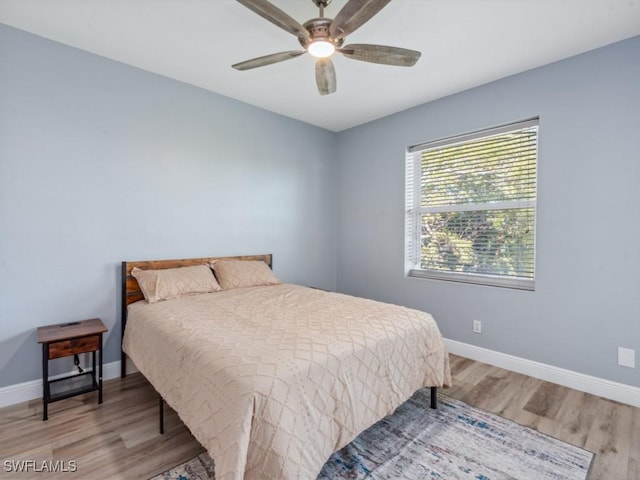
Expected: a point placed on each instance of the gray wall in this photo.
(586, 301)
(101, 162)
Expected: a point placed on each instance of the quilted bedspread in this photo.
(272, 380)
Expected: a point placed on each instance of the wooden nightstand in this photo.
(64, 340)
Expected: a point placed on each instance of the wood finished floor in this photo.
(120, 438)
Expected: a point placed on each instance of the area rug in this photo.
(454, 442)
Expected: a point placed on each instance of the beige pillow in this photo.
(243, 273)
(159, 285)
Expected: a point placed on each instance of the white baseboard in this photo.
(23, 392)
(619, 392)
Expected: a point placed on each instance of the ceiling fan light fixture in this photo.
(321, 48)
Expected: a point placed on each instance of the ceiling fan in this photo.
(321, 37)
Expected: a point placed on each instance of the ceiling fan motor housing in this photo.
(318, 29)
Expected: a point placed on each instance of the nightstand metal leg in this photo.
(99, 368)
(434, 397)
(45, 381)
(94, 371)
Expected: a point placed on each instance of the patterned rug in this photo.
(454, 442)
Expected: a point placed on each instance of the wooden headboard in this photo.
(131, 290)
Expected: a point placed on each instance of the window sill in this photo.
(487, 280)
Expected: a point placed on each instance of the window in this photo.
(471, 207)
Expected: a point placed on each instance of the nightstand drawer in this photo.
(65, 348)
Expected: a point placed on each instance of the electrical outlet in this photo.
(477, 326)
(626, 357)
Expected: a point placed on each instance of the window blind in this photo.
(471, 206)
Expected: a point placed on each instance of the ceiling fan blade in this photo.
(325, 76)
(353, 15)
(400, 57)
(268, 59)
(276, 16)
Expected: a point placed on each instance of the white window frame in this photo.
(414, 211)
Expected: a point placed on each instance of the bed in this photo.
(273, 378)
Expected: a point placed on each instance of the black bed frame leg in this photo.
(434, 397)
(123, 365)
(161, 415)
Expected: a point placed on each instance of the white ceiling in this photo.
(464, 43)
